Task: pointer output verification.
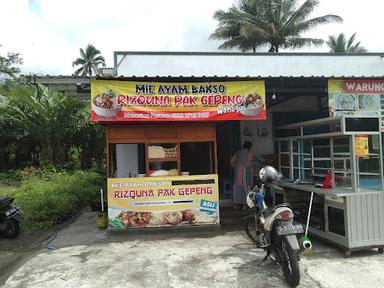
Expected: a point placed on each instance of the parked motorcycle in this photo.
(10, 217)
(272, 228)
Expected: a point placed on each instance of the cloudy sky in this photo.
(49, 33)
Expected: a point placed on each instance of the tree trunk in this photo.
(4, 159)
(2, 153)
(17, 158)
(46, 153)
(58, 155)
(35, 159)
(100, 153)
(85, 159)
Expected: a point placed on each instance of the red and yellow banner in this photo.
(160, 101)
(162, 201)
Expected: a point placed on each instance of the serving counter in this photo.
(163, 201)
(348, 148)
(162, 175)
(333, 193)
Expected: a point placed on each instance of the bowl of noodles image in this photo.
(105, 104)
(253, 105)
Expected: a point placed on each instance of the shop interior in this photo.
(288, 100)
(166, 149)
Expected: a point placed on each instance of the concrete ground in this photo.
(188, 257)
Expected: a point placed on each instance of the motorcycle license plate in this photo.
(289, 229)
(11, 212)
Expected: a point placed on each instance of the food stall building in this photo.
(181, 137)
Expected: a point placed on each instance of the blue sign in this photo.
(208, 206)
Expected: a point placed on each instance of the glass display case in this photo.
(350, 213)
(321, 157)
(343, 145)
(163, 159)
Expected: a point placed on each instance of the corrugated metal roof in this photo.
(197, 78)
(226, 77)
(186, 53)
(259, 65)
(58, 76)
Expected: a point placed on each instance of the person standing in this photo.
(241, 161)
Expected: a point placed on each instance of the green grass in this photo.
(49, 197)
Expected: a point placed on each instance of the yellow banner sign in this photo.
(169, 101)
(162, 201)
(361, 146)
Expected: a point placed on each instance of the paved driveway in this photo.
(87, 257)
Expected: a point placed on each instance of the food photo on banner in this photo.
(358, 97)
(162, 201)
(114, 100)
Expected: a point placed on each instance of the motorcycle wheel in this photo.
(250, 228)
(12, 228)
(290, 264)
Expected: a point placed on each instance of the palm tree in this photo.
(277, 23)
(341, 44)
(90, 60)
(230, 30)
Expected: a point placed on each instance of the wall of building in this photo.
(260, 133)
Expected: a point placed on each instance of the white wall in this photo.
(264, 144)
(127, 159)
(249, 64)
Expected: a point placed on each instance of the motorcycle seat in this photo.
(283, 205)
(270, 211)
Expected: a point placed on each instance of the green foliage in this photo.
(9, 65)
(89, 61)
(249, 24)
(48, 196)
(40, 126)
(10, 178)
(340, 44)
(90, 139)
(46, 126)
